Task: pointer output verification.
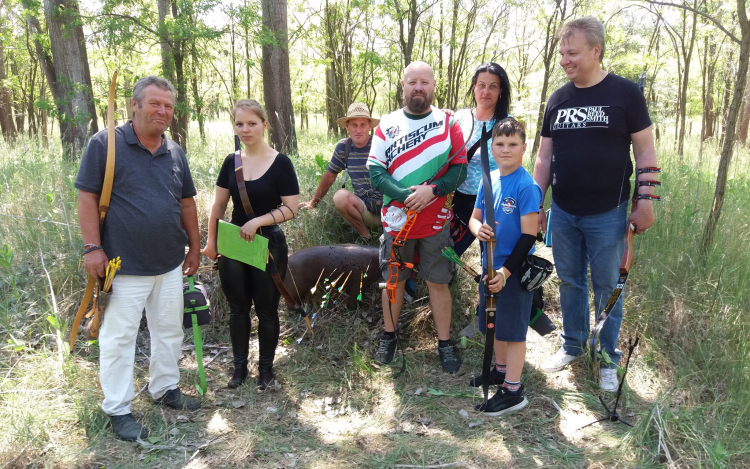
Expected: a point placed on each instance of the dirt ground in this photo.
(333, 407)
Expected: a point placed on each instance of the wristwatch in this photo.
(435, 190)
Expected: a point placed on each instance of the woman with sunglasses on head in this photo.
(273, 193)
(490, 92)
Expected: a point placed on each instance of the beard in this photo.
(419, 103)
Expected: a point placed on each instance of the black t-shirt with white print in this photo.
(590, 130)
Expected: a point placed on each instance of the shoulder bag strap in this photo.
(347, 149)
(241, 184)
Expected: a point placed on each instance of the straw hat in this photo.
(357, 110)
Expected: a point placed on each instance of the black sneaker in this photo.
(386, 350)
(503, 403)
(127, 428)
(496, 377)
(176, 400)
(448, 358)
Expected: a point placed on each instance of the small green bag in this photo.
(197, 312)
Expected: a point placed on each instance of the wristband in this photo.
(505, 279)
(88, 245)
(91, 249)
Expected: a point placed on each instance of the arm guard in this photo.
(519, 253)
(383, 182)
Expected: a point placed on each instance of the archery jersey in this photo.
(413, 149)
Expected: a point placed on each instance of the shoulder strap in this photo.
(241, 184)
(473, 149)
(347, 150)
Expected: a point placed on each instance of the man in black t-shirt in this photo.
(589, 124)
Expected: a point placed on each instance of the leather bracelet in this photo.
(91, 249)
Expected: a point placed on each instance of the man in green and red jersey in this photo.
(411, 147)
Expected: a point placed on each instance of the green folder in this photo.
(231, 245)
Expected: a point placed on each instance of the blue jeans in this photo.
(594, 241)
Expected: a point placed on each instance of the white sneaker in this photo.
(558, 361)
(608, 379)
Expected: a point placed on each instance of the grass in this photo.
(687, 389)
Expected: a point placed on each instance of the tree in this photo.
(552, 24)
(7, 125)
(277, 88)
(733, 114)
(67, 71)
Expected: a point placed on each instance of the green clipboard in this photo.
(231, 245)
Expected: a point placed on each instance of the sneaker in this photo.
(127, 428)
(176, 400)
(386, 350)
(503, 403)
(608, 379)
(558, 361)
(448, 358)
(496, 377)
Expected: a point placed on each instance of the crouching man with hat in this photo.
(361, 208)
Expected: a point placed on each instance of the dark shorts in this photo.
(433, 266)
(513, 305)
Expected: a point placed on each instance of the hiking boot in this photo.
(448, 358)
(238, 377)
(127, 428)
(608, 379)
(558, 361)
(265, 378)
(176, 400)
(496, 377)
(503, 403)
(386, 350)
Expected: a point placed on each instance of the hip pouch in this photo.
(196, 303)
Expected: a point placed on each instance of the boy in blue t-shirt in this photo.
(516, 197)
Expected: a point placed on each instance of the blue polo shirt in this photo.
(144, 223)
(514, 195)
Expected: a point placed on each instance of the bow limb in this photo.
(489, 249)
(109, 172)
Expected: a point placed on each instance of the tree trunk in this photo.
(167, 65)
(406, 37)
(277, 89)
(74, 98)
(554, 22)
(683, 92)
(732, 117)
(7, 125)
(729, 73)
(745, 123)
(197, 99)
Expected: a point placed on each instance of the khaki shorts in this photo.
(433, 266)
(370, 219)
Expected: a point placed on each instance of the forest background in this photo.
(307, 61)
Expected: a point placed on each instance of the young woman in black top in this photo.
(273, 191)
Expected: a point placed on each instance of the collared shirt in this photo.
(144, 223)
